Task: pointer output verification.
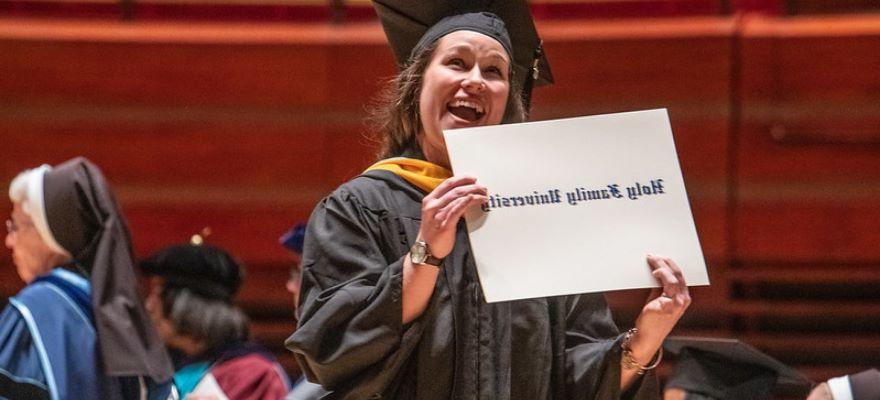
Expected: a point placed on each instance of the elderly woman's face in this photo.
(465, 84)
(154, 306)
(30, 254)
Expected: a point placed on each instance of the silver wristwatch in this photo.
(420, 254)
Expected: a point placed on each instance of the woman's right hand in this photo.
(443, 207)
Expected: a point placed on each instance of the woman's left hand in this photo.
(665, 307)
(667, 303)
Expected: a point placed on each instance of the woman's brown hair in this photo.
(394, 116)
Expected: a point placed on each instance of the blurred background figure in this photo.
(70, 245)
(728, 369)
(190, 301)
(293, 241)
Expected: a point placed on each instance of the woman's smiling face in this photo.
(465, 84)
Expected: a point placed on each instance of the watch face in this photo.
(418, 253)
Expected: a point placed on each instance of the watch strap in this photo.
(420, 253)
(437, 262)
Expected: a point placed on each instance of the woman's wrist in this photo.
(436, 249)
(651, 333)
(641, 349)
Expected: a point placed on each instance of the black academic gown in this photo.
(351, 338)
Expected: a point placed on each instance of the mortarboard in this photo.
(728, 369)
(208, 271)
(406, 21)
(294, 238)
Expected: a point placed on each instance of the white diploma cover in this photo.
(576, 205)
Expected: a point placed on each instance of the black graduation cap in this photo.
(208, 271)
(406, 21)
(728, 369)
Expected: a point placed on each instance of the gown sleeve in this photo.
(592, 353)
(21, 374)
(351, 338)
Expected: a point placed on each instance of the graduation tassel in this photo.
(199, 238)
(531, 77)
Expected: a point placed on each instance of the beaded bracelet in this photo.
(627, 359)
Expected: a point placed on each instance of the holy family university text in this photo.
(577, 195)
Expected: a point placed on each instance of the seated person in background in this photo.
(864, 385)
(80, 309)
(293, 241)
(190, 301)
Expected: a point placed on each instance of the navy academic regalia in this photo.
(49, 341)
(86, 323)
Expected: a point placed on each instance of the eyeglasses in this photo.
(11, 227)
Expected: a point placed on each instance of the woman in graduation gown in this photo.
(390, 303)
(78, 330)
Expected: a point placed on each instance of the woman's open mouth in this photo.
(466, 110)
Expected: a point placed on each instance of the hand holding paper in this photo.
(443, 207)
(665, 307)
(575, 204)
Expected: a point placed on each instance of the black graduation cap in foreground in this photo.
(405, 21)
(722, 369)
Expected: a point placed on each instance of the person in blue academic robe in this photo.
(78, 329)
(48, 338)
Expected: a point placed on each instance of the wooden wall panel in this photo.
(809, 231)
(173, 154)
(165, 73)
(809, 165)
(350, 10)
(803, 7)
(808, 178)
(10, 283)
(182, 64)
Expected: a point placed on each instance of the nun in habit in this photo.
(79, 329)
(390, 303)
